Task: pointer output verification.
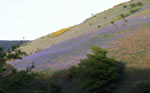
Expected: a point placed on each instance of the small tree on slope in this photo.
(98, 73)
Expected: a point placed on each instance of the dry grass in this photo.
(134, 51)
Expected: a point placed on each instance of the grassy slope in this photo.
(134, 50)
(90, 24)
(128, 42)
(74, 44)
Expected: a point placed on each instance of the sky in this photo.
(32, 19)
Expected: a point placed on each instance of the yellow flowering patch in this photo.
(59, 32)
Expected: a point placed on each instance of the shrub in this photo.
(10, 79)
(125, 6)
(16, 54)
(139, 4)
(20, 79)
(132, 5)
(124, 15)
(112, 22)
(90, 24)
(99, 26)
(2, 57)
(14, 47)
(134, 10)
(73, 73)
(98, 73)
(2, 90)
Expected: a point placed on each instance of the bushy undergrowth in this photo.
(15, 53)
(20, 79)
(2, 90)
(134, 10)
(96, 74)
(10, 79)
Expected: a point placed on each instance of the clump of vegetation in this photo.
(133, 5)
(20, 79)
(10, 79)
(134, 10)
(99, 26)
(123, 15)
(112, 22)
(15, 53)
(58, 33)
(125, 6)
(98, 73)
(2, 57)
(90, 24)
(2, 90)
(139, 4)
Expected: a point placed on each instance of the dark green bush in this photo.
(125, 6)
(73, 73)
(2, 90)
(2, 57)
(16, 54)
(20, 79)
(112, 22)
(124, 15)
(10, 79)
(98, 73)
(132, 5)
(99, 26)
(139, 4)
(135, 10)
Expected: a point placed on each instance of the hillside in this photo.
(123, 30)
(96, 22)
(75, 43)
(5, 44)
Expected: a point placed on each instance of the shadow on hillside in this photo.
(131, 77)
(74, 86)
(58, 82)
